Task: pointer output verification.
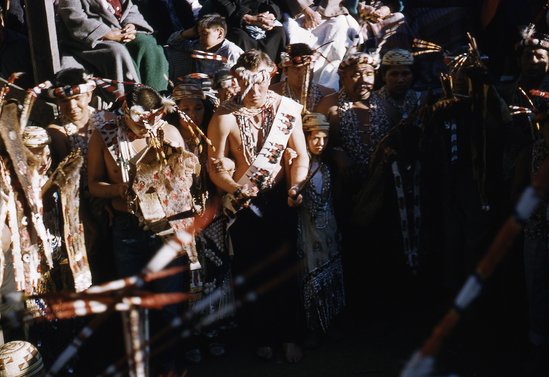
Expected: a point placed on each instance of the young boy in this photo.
(208, 36)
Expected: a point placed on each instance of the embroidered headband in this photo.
(185, 91)
(398, 56)
(72, 90)
(34, 136)
(315, 122)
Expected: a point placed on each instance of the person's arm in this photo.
(218, 133)
(300, 164)
(97, 171)
(184, 40)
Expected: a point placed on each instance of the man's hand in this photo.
(312, 19)
(125, 35)
(293, 198)
(263, 20)
(121, 190)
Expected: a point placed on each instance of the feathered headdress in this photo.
(531, 38)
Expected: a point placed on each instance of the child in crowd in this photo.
(207, 39)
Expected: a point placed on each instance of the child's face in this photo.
(209, 38)
(317, 141)
(44, 156)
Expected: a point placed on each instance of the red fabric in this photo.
(118, 8)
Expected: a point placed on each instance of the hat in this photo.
(397, 56)
(185, 91)
(296, 55)
(34, 136)
(315, 122)
(20, 359)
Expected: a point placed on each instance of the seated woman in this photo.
(113, 40)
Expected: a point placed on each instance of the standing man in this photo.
(73, 90)
(358, 119)
(254, 130)
(358, 122)
(111, 148)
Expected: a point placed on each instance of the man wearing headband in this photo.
(358, 122)
(254, 130)
(397, 74)
(358, 119)
(297, 64)
(72, 90)
(111, 150)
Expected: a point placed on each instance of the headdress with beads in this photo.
(315, 122)
(532, 38)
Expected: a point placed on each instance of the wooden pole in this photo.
(43, 39)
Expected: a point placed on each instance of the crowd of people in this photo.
(320, 171)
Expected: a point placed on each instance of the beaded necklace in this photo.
(318, 203)
(411, 99)
(351, 132)
(244, 118)
(314, 97)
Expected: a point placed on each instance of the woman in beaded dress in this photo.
(322, 289)
(213, 270)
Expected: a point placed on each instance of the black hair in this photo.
(213, 20)
(300, 49)
(145, 96)
(69, 76)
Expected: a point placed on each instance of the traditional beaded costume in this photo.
(351, 133)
